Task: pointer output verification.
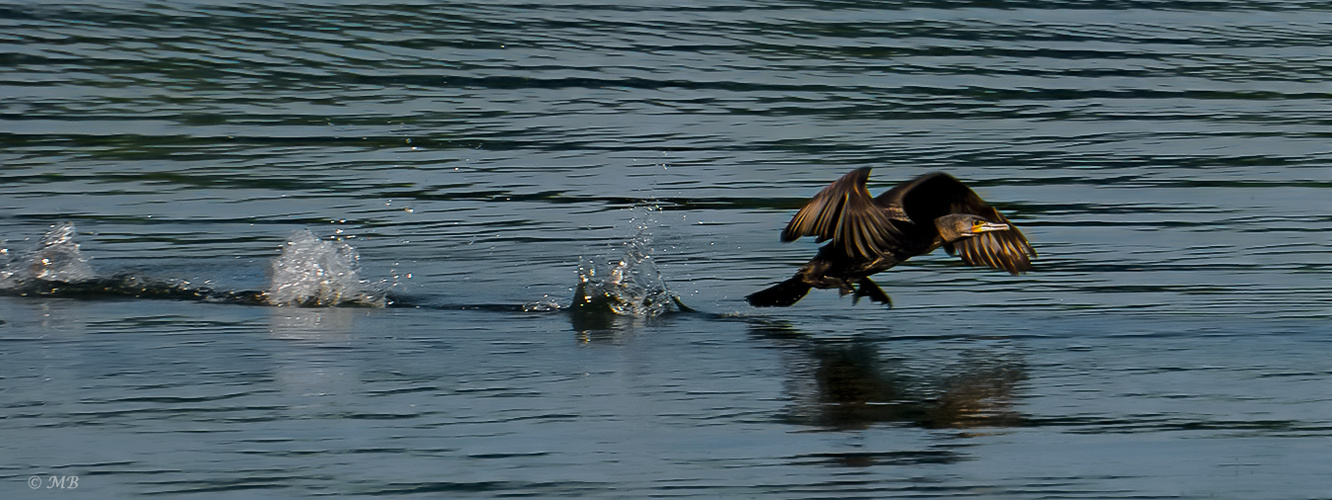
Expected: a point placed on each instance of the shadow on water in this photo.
(848, 385)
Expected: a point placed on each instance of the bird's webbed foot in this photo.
(867, 288)
(828, 282)
(844, 288)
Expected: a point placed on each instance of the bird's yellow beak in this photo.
(986, 227)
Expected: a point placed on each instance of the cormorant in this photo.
(871, 234)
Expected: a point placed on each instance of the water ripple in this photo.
(1166, 157)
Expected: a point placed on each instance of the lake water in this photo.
(470, 164)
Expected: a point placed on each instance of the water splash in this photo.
(626, 283)
(315, 273)
(57, 267)
(310, 272)
(56, 259)
(546, 304)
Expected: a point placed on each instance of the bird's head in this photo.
(954, 227)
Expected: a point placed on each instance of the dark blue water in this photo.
(470, 164)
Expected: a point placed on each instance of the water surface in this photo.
(1168, 159)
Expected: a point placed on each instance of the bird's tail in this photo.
(780, 295)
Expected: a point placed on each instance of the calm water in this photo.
(1170, 160)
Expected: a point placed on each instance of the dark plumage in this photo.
(869, 235)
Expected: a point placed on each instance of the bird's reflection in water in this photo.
(850, 384)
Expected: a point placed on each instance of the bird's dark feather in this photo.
(865, 228)
(845, 213)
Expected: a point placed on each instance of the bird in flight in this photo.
(869, 234)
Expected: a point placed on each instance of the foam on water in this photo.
(316, 273)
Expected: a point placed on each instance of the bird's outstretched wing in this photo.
(932, 195)
(845, 213)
